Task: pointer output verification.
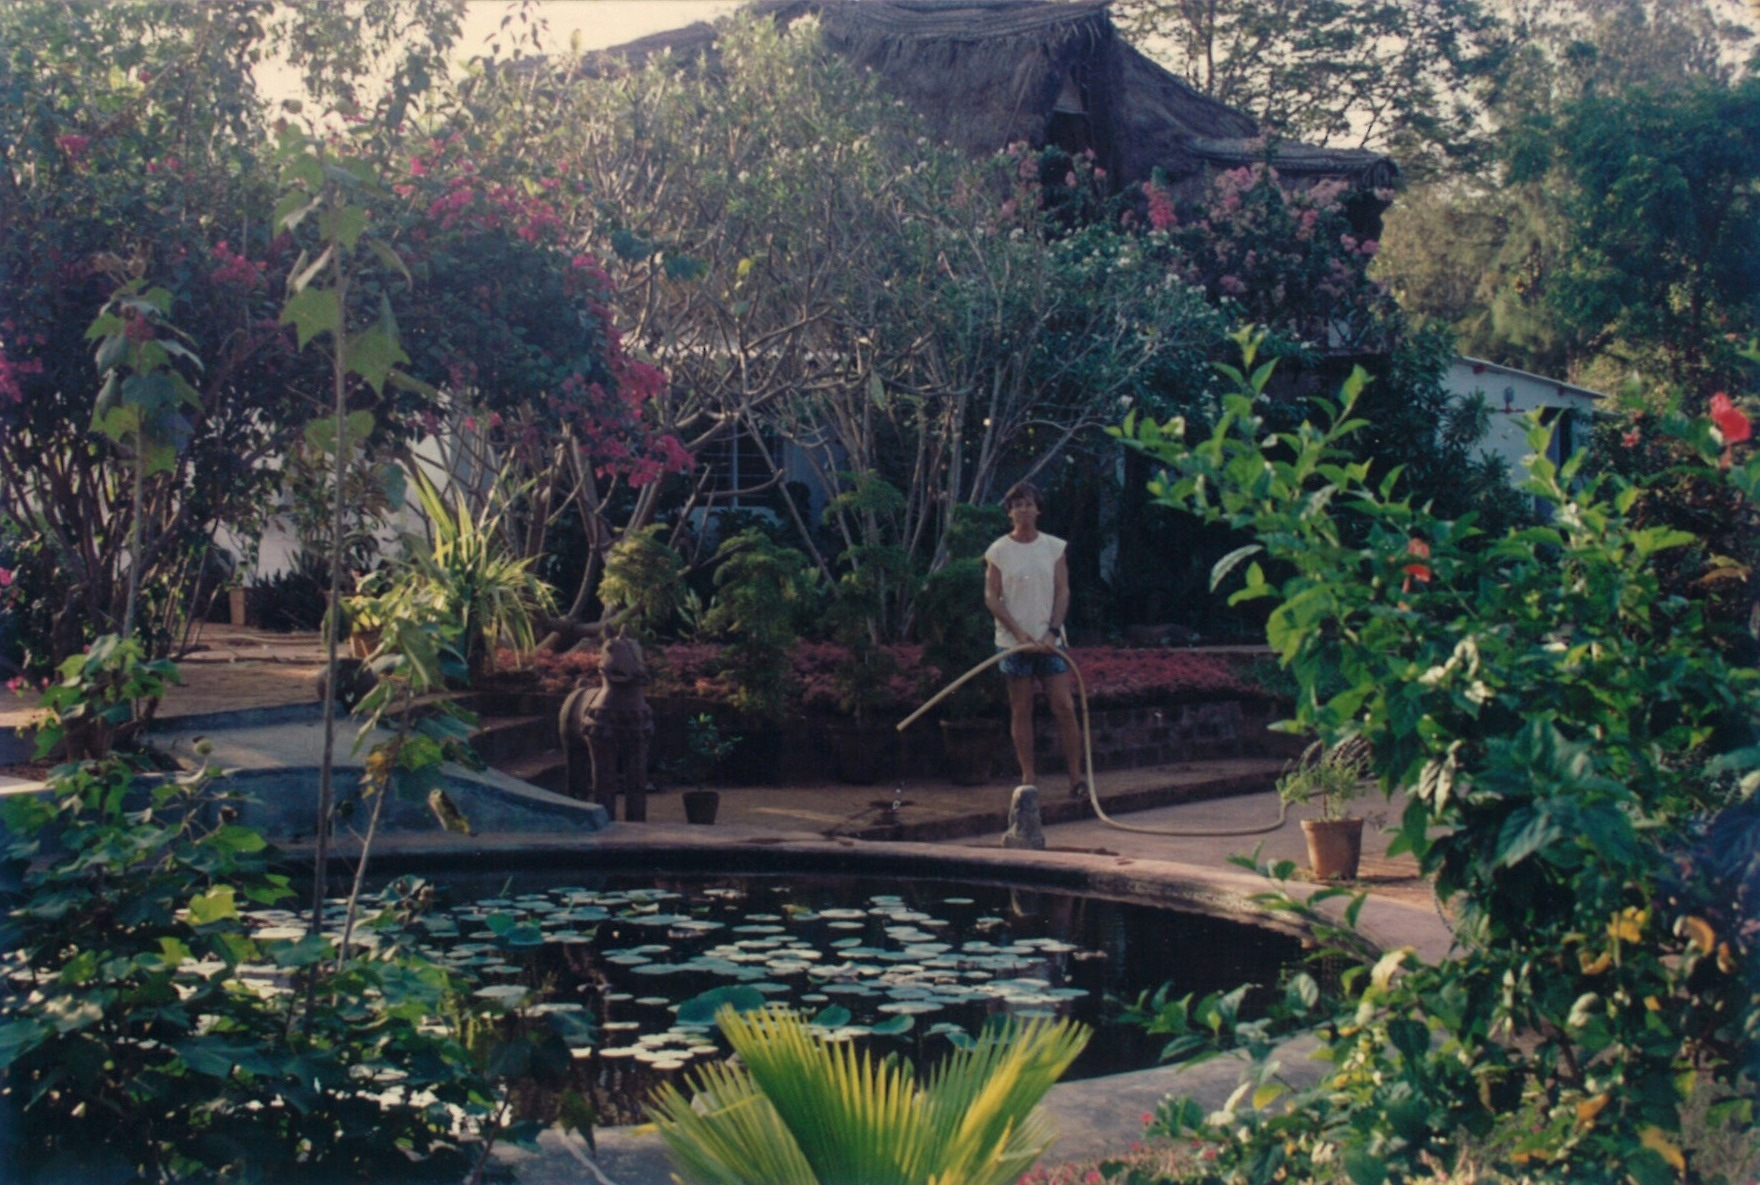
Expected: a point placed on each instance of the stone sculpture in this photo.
(1025, 829)
(605, 732)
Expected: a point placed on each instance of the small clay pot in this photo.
(1335, 847)
(700, 805)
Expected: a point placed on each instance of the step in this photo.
(540, 767)
(508, 738)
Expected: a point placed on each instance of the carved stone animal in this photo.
(1025, 829)
(605, 732)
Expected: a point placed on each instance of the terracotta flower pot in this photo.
(1335, 847)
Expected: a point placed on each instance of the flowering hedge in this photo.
(1116, 676)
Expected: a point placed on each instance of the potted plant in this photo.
(705, 747)
(958, 633)
(1331, 778)
(762, 589)
(861, 681)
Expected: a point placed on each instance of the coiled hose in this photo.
(1088, 751)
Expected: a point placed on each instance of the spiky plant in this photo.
(799, 1109)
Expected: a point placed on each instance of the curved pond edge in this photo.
(1095, 1117)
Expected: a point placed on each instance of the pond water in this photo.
(898, 965)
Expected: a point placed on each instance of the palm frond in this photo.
(736, 1139)
(850, 1117)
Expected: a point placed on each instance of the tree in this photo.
(134, 151)
(804, 266)
(1488, 251)
(131, 152)
(1567, 730)
(1661, 194)
(1396, 77)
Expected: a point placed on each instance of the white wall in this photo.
(1509, 396)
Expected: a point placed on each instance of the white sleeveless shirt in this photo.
(1029, 584)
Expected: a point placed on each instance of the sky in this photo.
(599, 22)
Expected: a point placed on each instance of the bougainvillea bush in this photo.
(1116, 676)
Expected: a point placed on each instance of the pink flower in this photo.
(1369, 247)
(5, 577)
(74, 146)
(1161, 212)
(1630, 439)
(1231, 286)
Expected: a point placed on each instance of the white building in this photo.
(1509, 396)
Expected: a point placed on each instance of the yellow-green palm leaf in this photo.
(800, 1104)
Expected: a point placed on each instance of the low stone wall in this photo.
(803, 750)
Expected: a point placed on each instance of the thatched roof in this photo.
(985, 74)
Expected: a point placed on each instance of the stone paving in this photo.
(906, 824)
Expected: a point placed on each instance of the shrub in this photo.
(1564, 730)
(146, 1025)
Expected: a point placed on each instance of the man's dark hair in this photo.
(1024, 491)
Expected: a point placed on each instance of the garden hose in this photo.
(1088, 752)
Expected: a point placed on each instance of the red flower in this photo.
(1420, 572)
(1630, 439)
(1730, 421)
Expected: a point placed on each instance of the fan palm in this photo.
(799, 1109)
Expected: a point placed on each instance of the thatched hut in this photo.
(984, 74)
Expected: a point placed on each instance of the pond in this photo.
(903, 966)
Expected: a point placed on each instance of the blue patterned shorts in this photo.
(1033, 664)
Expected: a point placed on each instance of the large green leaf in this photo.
(312, 311)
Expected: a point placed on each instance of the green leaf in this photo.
(389, 258)
(292, 209)
(356, 427)
(305, 952)
(303, 276)
(575, 1028)
(343, 224)
(372, 353)
(19, 1037)
(1364, 1168)
(701, 1010)
(221, 1059)
(898, 1024)
(1527, 830)
(684, 268)
(111, 351)
(630, 248)
(216, 905)
(1227, 563)
(118, 423)
(233, 838)
(311, 312)
(833, 1016)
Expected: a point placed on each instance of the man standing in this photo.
(1026, 588)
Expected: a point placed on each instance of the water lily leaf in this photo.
(702, 1008)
